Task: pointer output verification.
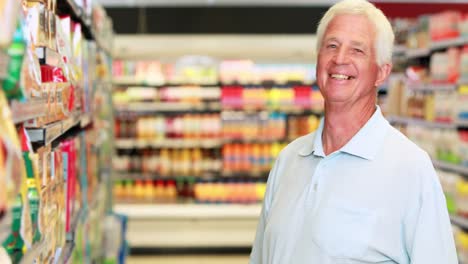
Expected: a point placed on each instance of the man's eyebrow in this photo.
(331, 39)
(358, 44)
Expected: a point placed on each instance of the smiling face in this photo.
(347, 71)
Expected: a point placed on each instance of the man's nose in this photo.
(340, 56)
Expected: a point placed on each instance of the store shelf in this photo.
(443, 44)
(430, 87)
(31, 109)
(291, 111)
(151, 107)
(48, 56)
(462, 123)
(463, 81)
(267, 84)
(399, 50)
(417, 53)
(155, 176)
(190, 225)
(131, 81)
(433, 46)
(250, 174)
(85, 120)
(49, 133)
(419, 122)
(216, 211)
(33, 253)
(459, 221)
(254, 140)
(460, 169)
(168, 143)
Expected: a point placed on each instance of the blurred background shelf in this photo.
(153, 107)
(190, 225)
(459, 221)
(463, 170)
(168, 143)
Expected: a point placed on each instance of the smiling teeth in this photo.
(340, 76)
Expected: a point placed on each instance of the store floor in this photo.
(189, 259)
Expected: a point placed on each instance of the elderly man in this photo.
(356, 190)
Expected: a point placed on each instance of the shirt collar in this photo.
(365, 143)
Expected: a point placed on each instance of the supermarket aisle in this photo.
(190, 259)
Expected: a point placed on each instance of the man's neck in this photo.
(342, 123)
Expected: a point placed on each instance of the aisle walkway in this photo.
(187, 259)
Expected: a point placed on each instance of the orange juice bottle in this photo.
(139, 191)
(196, 162)
(159, 191)
(148, 190)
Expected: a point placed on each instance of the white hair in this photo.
(384, 34)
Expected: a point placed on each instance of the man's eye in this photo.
(332, 46)
(358, 50)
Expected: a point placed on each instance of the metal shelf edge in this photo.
(459, 221)
(183, 211)
(419, 122)
(451, 167)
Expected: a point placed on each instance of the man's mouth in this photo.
(341, 76)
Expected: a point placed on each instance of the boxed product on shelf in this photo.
(193, 70)
(229, 191)
(150, 72)
(249, 158)
(248, 72)
(253, 126)
(167, 162)
(9, 13)
(189, 126)
(162, 191)
(11, 84)
(444, 25)
(445, 66)
(275, 98)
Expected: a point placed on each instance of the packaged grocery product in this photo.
(31, 74)
(51, 24)
(11, 84)
(36, 23)
(9, 10)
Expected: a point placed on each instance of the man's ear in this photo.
(384, 72)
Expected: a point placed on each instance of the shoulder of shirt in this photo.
(402, 144)
(407, 154)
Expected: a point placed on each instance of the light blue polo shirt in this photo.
(376, 200)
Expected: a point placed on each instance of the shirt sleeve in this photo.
(432, 236)
(256, 256)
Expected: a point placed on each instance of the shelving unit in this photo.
(459, 221)
(417, 53)
(420, 122)
(31, 109)
(432, 87)
(153, 107)
(45, 135)
(442, 140)
(168, 143)
(184, 211)
(433, 46)
(191, 225)
(460, 169)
